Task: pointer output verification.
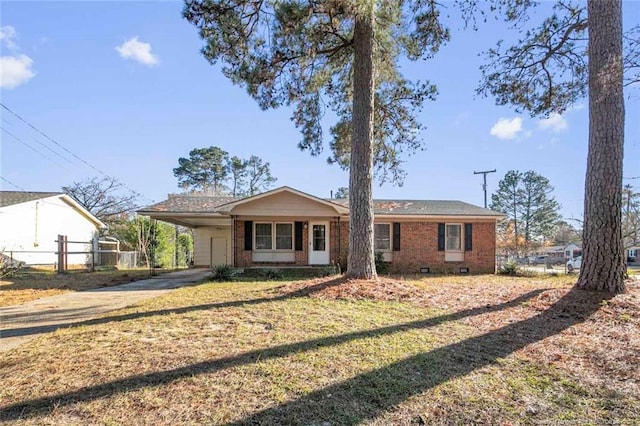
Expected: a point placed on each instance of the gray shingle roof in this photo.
(207, 204)
(9, 198)
(425, 207)
(178, 203)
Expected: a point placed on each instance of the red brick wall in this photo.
(241, 257)
(418, 248)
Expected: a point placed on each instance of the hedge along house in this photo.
(287, 227)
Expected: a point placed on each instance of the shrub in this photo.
(9, 266)
(222, 273)
(382, 267)
(272, 274)
(509, 268)
(513, 269)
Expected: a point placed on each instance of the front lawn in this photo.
(441, 350)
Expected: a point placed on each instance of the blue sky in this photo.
(133, 111)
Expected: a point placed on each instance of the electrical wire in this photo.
(49, 138)
(31, 147)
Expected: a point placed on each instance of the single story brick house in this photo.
(287, 227)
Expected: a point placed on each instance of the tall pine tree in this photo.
(339, 56)
(575, 52)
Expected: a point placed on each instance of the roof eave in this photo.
(73, 203)
(228, 207)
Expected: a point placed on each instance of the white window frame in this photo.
(255, 236)
(453, 255)
(273, 236)
(446, 238)
(376, 249)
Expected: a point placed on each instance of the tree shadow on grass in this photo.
(61, 321)
(42, 406)
(369, 395)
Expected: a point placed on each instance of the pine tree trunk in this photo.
(603, 267)
(361, 262)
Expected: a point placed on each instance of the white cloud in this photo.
(507, 129)
(138, 51)
(7, 34)
(15, 70)
(556, 123)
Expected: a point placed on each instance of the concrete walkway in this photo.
(21, 323)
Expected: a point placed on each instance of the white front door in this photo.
(318, 243)
(218, 251)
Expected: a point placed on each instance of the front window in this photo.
(284, 236)
(453, 237)
(382, 235)
(273, 236)
(263, 236)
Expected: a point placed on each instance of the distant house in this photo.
(30, 223)
(287, 227)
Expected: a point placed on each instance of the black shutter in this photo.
(396, 236)
(441, 237)
(468, 237)
(298, 236)
(248, 235)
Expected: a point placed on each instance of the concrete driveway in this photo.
(21, 323)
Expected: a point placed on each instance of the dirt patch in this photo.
(386, 289)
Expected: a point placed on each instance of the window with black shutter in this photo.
(396, 236)
(248, 235)
(298, 236)
(441, 236)
(468, 237)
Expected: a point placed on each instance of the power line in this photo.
(49, 138)
(30, 147)
(35, 140)
(13, 184)
(40, 143)
(52, 150)
(52, 140)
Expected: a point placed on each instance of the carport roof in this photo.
(178, 203)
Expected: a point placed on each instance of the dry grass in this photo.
(35, 284)
(448, 350)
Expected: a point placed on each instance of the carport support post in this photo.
(175, 248)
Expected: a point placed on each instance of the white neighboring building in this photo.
(30, 223)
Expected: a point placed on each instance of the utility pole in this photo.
(484, 185)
